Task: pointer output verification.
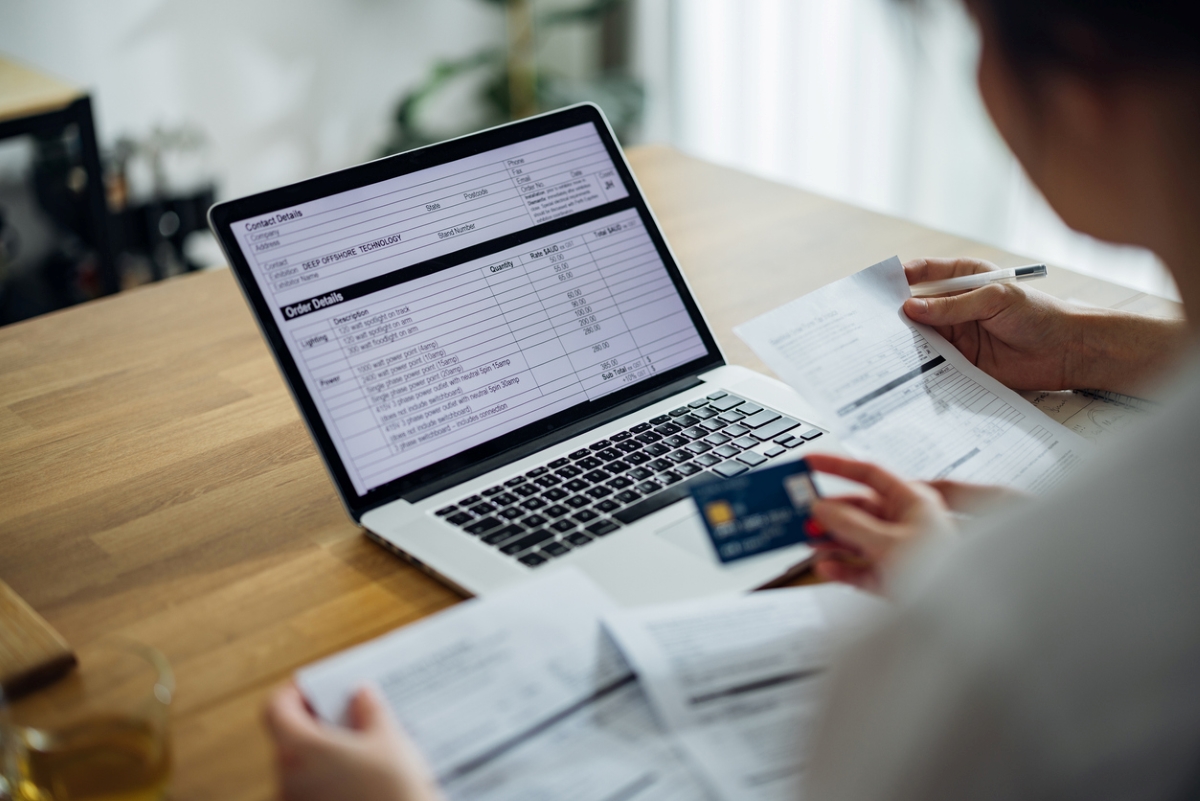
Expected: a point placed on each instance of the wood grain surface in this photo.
(155, 479)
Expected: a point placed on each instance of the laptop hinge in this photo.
(548, 440)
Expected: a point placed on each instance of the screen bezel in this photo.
(223, 215)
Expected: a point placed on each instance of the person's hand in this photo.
(372, 760)
(1024, 338)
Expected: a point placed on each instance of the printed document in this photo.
(518, 696)
(899, 394)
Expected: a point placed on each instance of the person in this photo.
(1050, 649)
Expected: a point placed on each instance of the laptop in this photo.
(502, 365)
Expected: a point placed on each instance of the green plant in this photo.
(515, 80)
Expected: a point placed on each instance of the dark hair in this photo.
(1096, 38)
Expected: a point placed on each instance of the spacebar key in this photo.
(676, 492)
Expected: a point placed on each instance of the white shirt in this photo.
(1053, 653)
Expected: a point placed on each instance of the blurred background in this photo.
(189, 102)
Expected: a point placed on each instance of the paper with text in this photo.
(899, 394)
(518, 696)
(736, 680)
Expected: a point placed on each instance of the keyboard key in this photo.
(567, 472)
(729, 417)
(725, 403)
(504, 499)
(735, 430)
(620, 483)
(717, 439)
(772, 430)
(717, 395)
(639, 474)
(525, 490)
(537, 471)
(686, 420)
(761, 418)
(699, 446)
(628, 446)
(602, 528)
(662, 418)
(727, 451)
(578, 538)
(563, 526)
(480, 526)
(577, 501)
(676, 441)
(502, 535)
(745, 442)
(554, 549)
(490, 491)
(446, 510)
(481, 509)
(657, 449)
(682, 410)
(696, 432)
(659, 465)
(670, 477)
(689, 469)
(580, 454)
(599, 446)
(628, 496)
(590, 463)
(730, 469)
(705, 413)
(586, 515)
(596, 477)
(609, 454)
(511, 513)
(811, 434)
(577, 485)
(624, 435)
(680, 456)
(714, 424)
(555, 511)
(556, 494)
(532, 560)
(470, 500)
(608, 506)
(547, 481)
(707, 460)
(616, 467)
(557, 463)
(512, 482)
(774, 450)
(792, 442)
(534, 521)
(648, 487)
(749, 408)
(696, 404)
(532, 503)
(460, 519)
(647, 438)
(751, 458)
(638, 458)
(599, 492)
(666, 429)
(641, 427)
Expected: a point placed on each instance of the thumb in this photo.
(851, 525)
(367, 711)
(978, 304)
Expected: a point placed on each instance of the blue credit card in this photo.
(757, 512)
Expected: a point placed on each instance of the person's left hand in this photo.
(372, 760)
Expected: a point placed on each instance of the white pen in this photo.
(976, 280)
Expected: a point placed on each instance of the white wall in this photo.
(284, 89)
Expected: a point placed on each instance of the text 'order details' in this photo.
(424, 368)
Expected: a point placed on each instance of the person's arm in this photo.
(1028, 339)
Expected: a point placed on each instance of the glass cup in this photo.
(99, 734)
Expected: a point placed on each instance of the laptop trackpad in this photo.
(690, 535)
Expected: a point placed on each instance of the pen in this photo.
(965, 282)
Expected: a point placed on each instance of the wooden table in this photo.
(156, 480)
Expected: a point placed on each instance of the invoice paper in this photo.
(520, 696)
(899, 394)
(737, 681)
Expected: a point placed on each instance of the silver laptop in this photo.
(502, 365)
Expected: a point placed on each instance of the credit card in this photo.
(757, 512)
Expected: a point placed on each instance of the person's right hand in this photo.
(1024, 338)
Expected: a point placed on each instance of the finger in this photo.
(871, 506)
(962, 497)
(287, 716)
(853, 526)
(976, 305)
(888, 485)
(920, 270)
(368, 711)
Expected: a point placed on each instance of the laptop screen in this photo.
(443, 308)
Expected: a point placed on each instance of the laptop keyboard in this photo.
(569, 502)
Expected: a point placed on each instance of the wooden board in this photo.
(32, 653)
(24, 91)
